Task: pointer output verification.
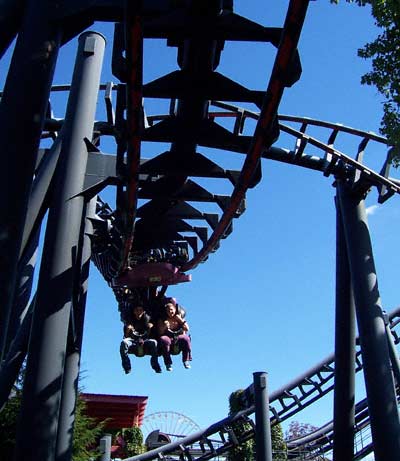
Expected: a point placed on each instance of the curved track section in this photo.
(163, 181)
(317, 145)
(165, 210)
(292, 398)
(320, 441)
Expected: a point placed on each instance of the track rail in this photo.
(265, 131)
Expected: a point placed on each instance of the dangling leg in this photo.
(165, 346)
(150, 348)
(185, 347)
(126, 343)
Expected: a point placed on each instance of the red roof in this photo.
(121, 410)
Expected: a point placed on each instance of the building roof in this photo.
(121, 410)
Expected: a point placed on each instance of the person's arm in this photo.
(182, 323)
(128, 329)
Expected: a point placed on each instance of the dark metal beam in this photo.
(23, 104)
(381, 396)
(345, 352)
(38, 424)
(73, 358)
(11, 12)
(263, 424)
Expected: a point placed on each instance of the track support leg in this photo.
(381, 396)
(22, 110)
(60, 267)
(75, 336)
(345, 343)
(263, 425)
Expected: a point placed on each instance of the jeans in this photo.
(184, 346)
(130, 345)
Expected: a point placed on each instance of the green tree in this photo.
(133, 439)
(246, 451)
(384, 53)
(87, 433)
(278, 443)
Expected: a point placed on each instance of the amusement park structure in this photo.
(144, 242)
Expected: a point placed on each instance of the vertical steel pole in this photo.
(263, 425)
(38, 425)
(105, 448)
(26, 270)
(22, 110)
(20, 321)
(72, 362)
(381, 396)
(345, 343)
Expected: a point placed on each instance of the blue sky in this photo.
(265, 300)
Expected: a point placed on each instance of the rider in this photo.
(136, 332)
(172, 329)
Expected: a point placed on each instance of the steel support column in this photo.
(20, 321)
(105, 448)
(73, 358)
(263, 425)
(22, 110)
(23, 291)
(38, 425)
(345, 344)
(381, 397)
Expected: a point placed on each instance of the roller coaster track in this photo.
(327, 157)
(167, 182)
(320, 441)
(164, 180)
(285, 402)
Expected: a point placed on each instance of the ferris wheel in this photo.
(171, 425)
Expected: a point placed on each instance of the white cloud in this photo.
(371, 210)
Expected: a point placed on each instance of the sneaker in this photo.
(186, 365)
(157, 369)
(169, 367)
(127, 371)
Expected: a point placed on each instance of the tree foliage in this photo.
(8, 425)
(87, 433)
(130, 440)
(297, 430)
(384, 53)
(245, 451)
(278, 443)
